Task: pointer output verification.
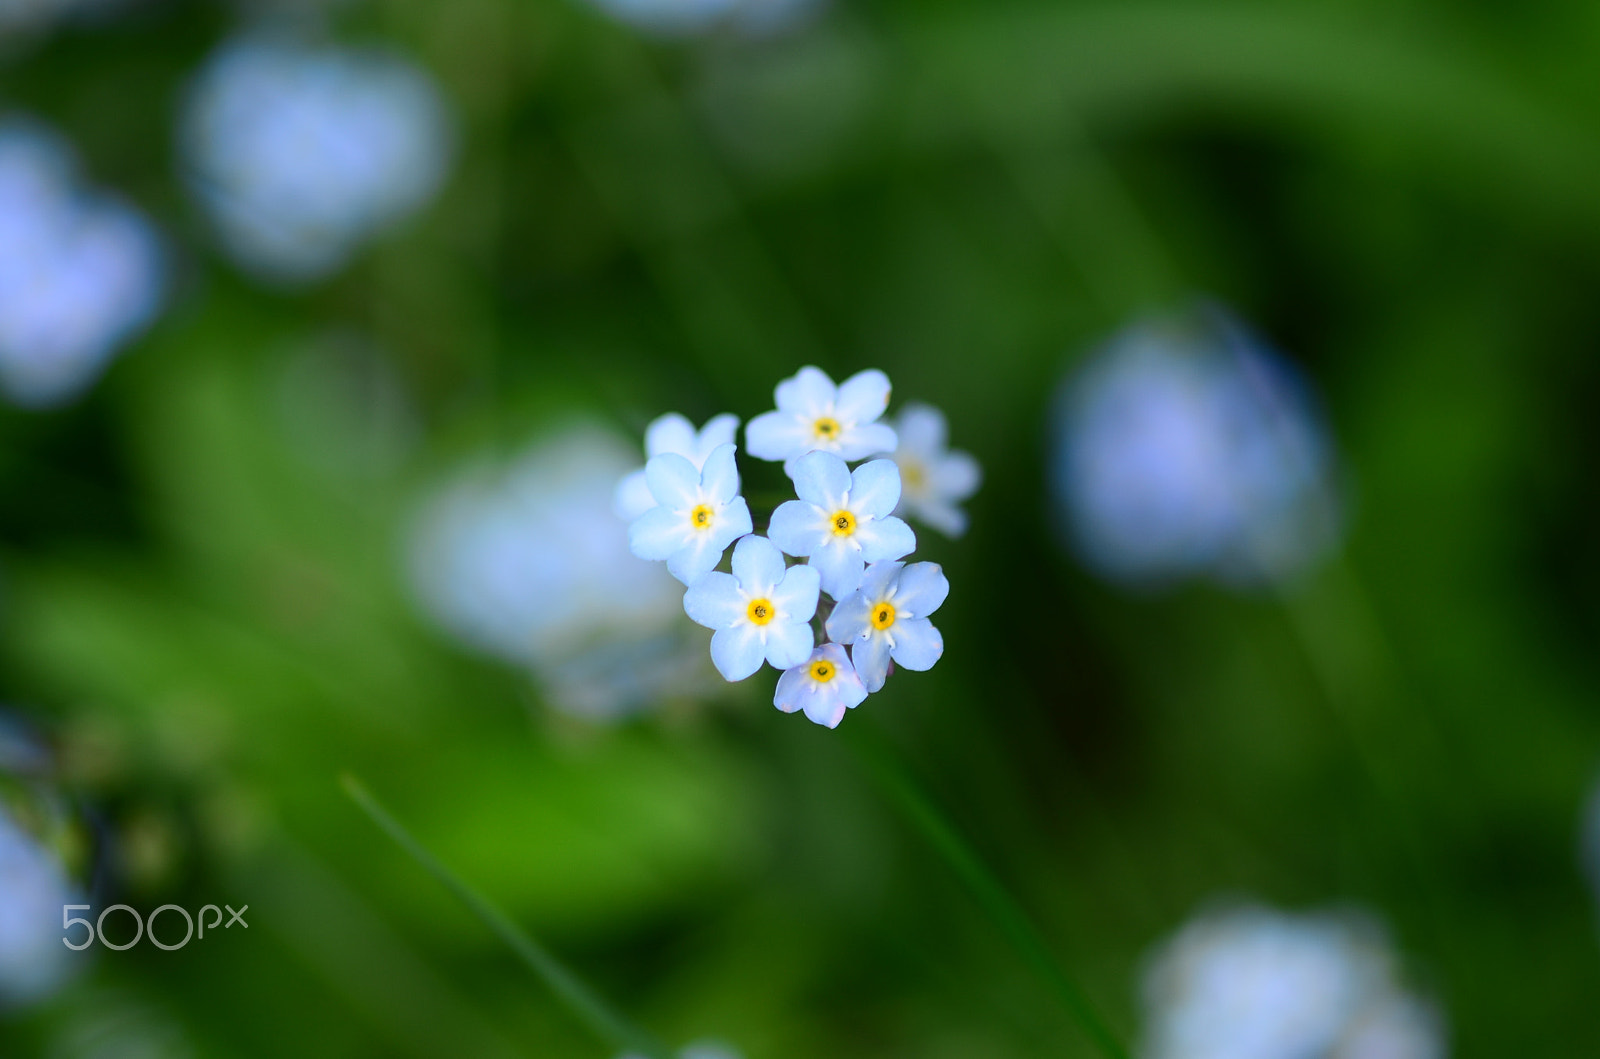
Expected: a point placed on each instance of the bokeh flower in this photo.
(681, 17)
(1253, 983)
(887, 617)
(528, 563)
(300, 153)
(762, 611)
(814, 415)
(842, 520)
(33, 888)
(80, 273)
(934, 479)
(824, 686)
(1185, 447)
(673, 433)
(699, 513)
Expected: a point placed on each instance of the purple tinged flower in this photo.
(824, 686)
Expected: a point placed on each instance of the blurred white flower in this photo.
(33, 889)
(80, 273)
(934, 479)
(529, 564)
(300, 153)
(682, 17)
(1184, 447)
(1253, 983)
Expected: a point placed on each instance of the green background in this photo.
(202, 595)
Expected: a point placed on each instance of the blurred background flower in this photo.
(1254, 983)
(80, 273)
(300, 152)
(528, 562)
(695, 16)
(1186, 447)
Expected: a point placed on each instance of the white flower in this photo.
(824, 687)
(300, 153)
(842, 521)
(79, 273)
(760, 611)
(1253, 983)
(888, 617)
(33, 888)
(1184, 447)
(672, 433)
(933, 479)
(700, 513)
(528, 563)
(813, 414)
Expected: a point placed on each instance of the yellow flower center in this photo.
(700, 518)
(883, 615)
(760, 611)
(843, 523)
(827, 428)
(912, 474)
(822, 671)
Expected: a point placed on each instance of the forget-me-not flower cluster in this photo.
(300, 153)
(835, 624)
(80, 273)
(1253, 983)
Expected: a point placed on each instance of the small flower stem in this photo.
(1005, 910)
(605, 1022)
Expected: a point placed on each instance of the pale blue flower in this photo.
(33, 889)
(80, 273)
(678, 17)
(824, 686)
(933, 478)
(842, 520)
(815, 415)
(300, 153)
(762, 611)
(887, 617)
(700, 513)
(1184, 447)
(527, 562)
(673, 433)
(1253, 983)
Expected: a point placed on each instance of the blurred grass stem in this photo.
(584, 1003)
(1005, 910)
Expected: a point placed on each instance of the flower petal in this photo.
(946, 518)
(917, 644)
(670, 433)
(719, 480)
(796, 594)
(632, 497)
(956, 476)
(699, 555)
(798, 528)
(789, 643)
(878, 579)
(871, 658)
(869, 439)
(673, 480)
(922, 589)
(822, 478)
(875, 488)
(851, 619)
(736, 652)
(794, 687)
(758, 564)
(825, 707)
(809, 392)
(776, 436)
(719, 430)
(863, 397)
(658, 534)
(840, 566)
(733, 522)
(715, 601)
(922, 429)
(884, 538)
